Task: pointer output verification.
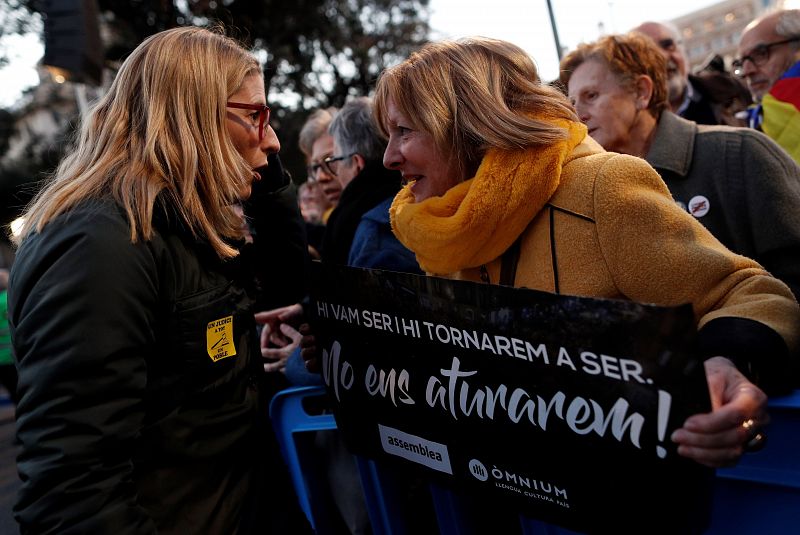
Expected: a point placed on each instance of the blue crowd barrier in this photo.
(760, 496)
(291, 417)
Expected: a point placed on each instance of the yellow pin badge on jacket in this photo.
(219, 339)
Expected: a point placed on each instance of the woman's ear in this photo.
(644, 91)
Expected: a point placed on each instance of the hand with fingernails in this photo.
(277, 347)
(735, 424)
(279, 338)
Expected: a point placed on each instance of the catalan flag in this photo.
(781, 112)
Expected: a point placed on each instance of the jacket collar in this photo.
(673, 145)
(370, 187)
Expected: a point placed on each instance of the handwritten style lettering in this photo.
(454, 394)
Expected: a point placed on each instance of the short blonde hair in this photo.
(627, 56)
(160, 130)
(471, 95)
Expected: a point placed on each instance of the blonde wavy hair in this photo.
(471, 95)
(161, 129)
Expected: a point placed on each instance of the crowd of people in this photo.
(155, 301)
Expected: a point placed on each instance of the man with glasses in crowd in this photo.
(358, 232)
(769, 60)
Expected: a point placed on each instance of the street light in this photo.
(555, 30)
(72, 47)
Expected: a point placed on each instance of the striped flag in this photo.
(781, 112)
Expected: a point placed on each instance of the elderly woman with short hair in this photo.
(735, 181)
(317, 145)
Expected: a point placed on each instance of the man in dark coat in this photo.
(690, 96)
(361, 219)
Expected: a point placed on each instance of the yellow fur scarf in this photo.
(477, 220)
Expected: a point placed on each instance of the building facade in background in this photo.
(716, 29)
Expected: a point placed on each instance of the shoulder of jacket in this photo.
(378, 213)
(608, 176)
(749, 144)
(589, 170)
(97, 229)
(723, 133)
(93, 219)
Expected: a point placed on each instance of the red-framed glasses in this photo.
(263, 115)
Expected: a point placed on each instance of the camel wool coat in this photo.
(612, 230)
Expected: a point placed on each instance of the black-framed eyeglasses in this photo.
(669, 44)
(263, 115)
(759, 55)
(313, 169)
(330, 165)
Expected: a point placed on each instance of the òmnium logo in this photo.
(529, 487)
(415, 449)
(477, 469)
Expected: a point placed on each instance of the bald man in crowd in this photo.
(708, 97)
(769, 60)
(685, 94)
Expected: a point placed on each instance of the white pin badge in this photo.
(698, 206)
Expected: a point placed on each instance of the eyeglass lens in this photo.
(263, 122)
(759, 55)
(332, 164)
(263, 115)
(667, 44)
(313, 171)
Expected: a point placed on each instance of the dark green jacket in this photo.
(142, 397)
(739, 184)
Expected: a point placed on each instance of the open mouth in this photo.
(411, 179)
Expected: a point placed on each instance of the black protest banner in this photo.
(560, 407)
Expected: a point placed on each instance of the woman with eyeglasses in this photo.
(317, 145)
(497, 162)
(142, 392)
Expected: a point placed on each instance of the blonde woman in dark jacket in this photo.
(491, 157)
(142, 395)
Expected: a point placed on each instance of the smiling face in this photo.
(243, 125)
(414, 153)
